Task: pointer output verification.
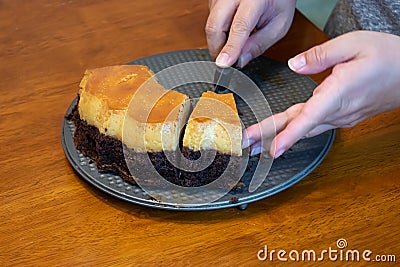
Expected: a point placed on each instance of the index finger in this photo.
(218, 24)
(244, 21)
(311, 115)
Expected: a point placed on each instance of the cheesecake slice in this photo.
(123, 112)
(212, 136)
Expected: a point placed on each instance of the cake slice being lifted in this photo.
(151, 128)
(213, 133)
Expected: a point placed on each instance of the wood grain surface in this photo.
(50, 217)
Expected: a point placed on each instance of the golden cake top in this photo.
(154, 104)
(116, 85)
(166, 106)
(216, 106)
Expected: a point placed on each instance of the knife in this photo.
(222, 78)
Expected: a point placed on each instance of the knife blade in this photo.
(222, 78)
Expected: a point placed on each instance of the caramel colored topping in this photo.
(216, 106)
(115, 84)
(119, 85)
(167, 107)
(201, 119)
(225, 98)
(154, 104)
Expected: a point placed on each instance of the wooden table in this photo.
(49, 216)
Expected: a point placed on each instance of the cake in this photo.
(212, 140)
(129, 124)
(108, 128)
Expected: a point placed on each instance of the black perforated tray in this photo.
(281, 87)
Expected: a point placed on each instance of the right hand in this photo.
(270, 18)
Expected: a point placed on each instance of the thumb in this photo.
(326, 55)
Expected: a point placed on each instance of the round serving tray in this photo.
(280, 86)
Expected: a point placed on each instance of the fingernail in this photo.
(255, 151)
(297, 62)
(247, 142)
(222, 60)
(243, 60)
(279, 153)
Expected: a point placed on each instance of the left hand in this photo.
(365, 81)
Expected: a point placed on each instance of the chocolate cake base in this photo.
(222, 165)
(111, 155)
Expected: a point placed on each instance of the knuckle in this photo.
(317, 55)
(240, 26)
(282, 28)
(348, 124)
(309, 114)
(210, 29)
(294, 111)
(258, 49)
(339, 72)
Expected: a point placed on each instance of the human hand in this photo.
(270, 18)
(365, 81)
